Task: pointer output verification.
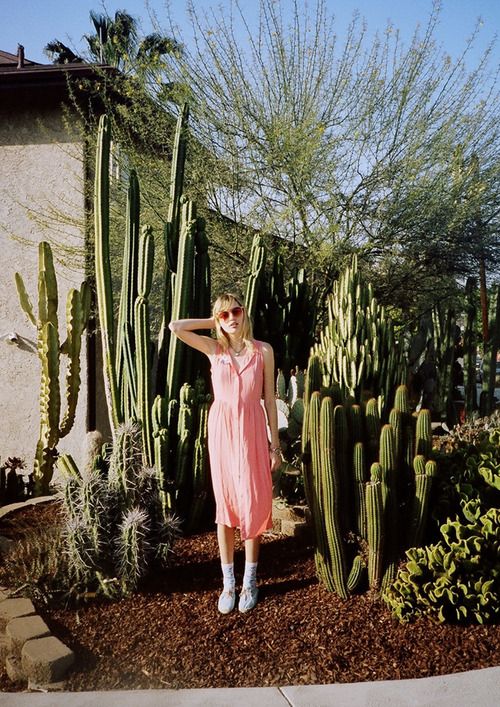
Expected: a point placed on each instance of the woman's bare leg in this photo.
(252, 547)
(225, 537)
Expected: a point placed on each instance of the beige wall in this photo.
(41, 173)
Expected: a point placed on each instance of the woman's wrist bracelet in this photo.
(275, 450)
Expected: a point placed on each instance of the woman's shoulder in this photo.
(263, 346)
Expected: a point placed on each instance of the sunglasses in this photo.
(225, 314)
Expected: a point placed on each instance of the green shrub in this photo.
(457, 579)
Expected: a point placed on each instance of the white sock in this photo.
(228, 576)
(250, 576)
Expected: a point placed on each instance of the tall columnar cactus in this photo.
(347, 508)
(182, 303)
(50, 348)
(375, 525)
(389, 470)
(470, 347)
(103, 271)
(285, 314)
(142, 341)
(358, 345)
(444, 330)
(131, 376)
(171, 239)
(424, 474)
(330, 497)
(125, 342)
(491, 347)
(255, 275)
(201, 477)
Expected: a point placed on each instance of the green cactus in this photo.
(182, 298)
(125, 346)
(330, 496)
(491, 347)
(470, 348)
(373, 427)
(358, 346)
(444, 333)
(255, 275)
(49, 349)
(131, 378)
(103, 271)
(201, 477)
(375, 526)
(423, 437)
(116, 529)
(379, 511)
(359, 466)
(280, 385)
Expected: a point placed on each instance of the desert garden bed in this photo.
(170, 635)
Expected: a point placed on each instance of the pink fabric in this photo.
(238, 444)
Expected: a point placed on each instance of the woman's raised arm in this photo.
(185, 329)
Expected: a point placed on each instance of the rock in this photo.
(14, 608)
(294, 528)
(46, 660)
(24, 629)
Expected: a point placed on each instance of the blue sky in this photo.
(33, 23)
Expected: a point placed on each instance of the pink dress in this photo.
(238, 444)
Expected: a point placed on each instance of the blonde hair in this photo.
(224, 302)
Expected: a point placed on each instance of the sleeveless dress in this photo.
(238, 444)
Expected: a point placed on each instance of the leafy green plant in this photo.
(469, 469)
(456, 579)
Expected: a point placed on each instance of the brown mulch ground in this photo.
(170, 635)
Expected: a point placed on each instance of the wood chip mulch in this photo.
(170, 634)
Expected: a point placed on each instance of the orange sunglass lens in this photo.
(235, 311)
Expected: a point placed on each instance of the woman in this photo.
(241, 458)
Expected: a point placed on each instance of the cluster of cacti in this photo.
(365, 480)
(134, 373)
(491, 347)
(290, 407)
(358, 346)
(50, 348)
(470, 348)
(115, 523)
(285, 315)
(445, 338)
(16, 484)
(456, 579)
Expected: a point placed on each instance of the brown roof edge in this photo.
(49, 74)
(17, 60)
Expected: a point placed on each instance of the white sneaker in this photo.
(248, 599)
(227, 600)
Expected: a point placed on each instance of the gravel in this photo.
(170, 635)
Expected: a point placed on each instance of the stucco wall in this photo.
(41, 172)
